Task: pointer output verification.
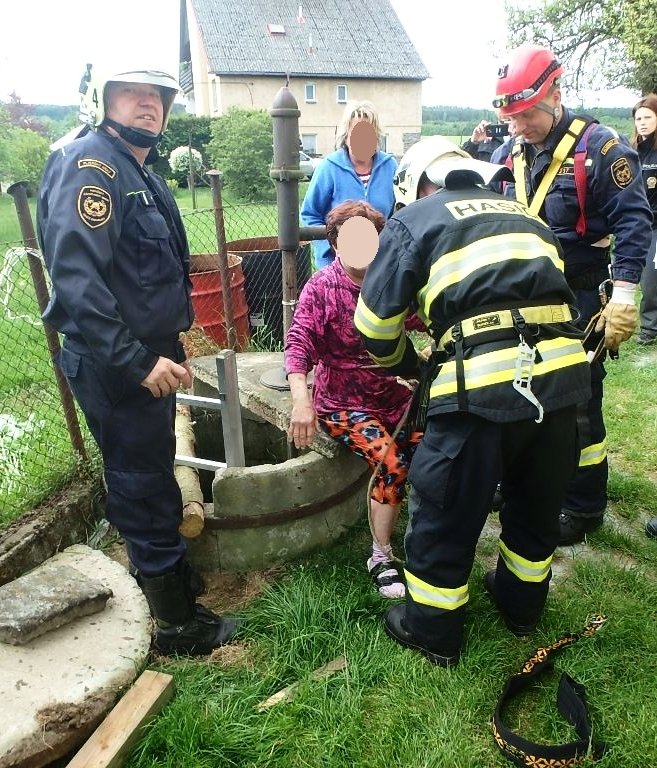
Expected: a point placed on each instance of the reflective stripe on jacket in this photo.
(458, 254)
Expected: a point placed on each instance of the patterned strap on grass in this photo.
(571, 702)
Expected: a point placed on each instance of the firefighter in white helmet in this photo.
(488, 279)
(116, 251)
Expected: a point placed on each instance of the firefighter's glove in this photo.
(619, 318)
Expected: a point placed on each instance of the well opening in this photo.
(263, 443)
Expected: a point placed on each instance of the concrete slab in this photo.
(55, 690)
(46, 598)
(272, 405)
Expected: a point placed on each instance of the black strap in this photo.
(416, 420)
(461, 397)
(571, 702)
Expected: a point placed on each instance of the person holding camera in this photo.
(486, 138)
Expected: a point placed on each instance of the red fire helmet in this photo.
(525, 80)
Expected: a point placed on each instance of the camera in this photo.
(498, 130)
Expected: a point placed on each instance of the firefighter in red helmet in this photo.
(584, 181)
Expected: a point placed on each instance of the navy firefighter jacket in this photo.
(464, 260)
(116, 250)
(615, 201)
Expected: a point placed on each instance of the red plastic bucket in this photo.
(208, 301)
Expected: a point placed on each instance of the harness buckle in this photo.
(522, 381)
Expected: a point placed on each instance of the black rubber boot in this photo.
(183, 626)
(573, 528)
(651, 528)
(193, 577)
(396, 629)
(519, 630)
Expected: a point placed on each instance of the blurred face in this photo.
(361, 140)
(535, 124)
(645, 121)
(358, 242)
(135, 105)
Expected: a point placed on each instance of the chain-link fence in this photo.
(255, 271)
(37, 456)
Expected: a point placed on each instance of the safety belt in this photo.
(573, 132)
(571, 702)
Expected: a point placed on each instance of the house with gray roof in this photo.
(240, 53)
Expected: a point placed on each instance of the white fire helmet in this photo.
(440, 158)
(93, 91)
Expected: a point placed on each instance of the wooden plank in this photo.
(110, 742)
(288, 693)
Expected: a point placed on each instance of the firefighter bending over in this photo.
(488, 279)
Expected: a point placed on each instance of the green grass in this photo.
(390, 707)
(10, 231)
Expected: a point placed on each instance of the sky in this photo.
(46, 44)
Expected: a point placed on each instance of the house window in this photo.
(383, 143)
(309, 141)
(310, 93)
(215, 96)
(342, 94)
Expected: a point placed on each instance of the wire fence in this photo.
(37, 456)
(255, 270)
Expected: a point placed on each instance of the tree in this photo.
(22, 115)
(241, 147)
(23, 154)
(603, 43)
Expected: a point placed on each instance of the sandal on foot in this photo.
(388, 578)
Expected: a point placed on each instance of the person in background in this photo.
(645, 142)
(480, 146)
(117, 254)
(584, 181)
(489, 278)
(351, 400)
(357, 170)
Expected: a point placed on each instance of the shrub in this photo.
(179, 161)
(241, 148)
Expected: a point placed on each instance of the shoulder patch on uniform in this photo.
(91, 162)
(94, 206)
(651, 182)
(608, 145)
(621, 172)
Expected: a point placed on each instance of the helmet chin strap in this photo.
(138, 137)
(553, 111)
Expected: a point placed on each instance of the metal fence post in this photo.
(231, 412)
(19, 192)
(286, 174)
(222, 258)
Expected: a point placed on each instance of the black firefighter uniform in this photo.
(487, 278)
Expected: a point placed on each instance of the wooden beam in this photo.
(187, 477)
(109, 744)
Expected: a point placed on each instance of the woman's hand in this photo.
(303, 421)
(303, 425)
